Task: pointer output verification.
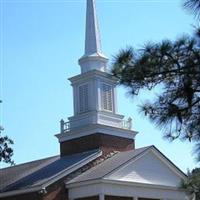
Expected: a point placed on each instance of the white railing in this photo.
(127, 124)
(64, 126)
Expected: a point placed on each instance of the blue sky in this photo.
(41, 42)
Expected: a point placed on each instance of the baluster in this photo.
(62, 124)
(129, 123)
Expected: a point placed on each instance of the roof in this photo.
(37, 173)
(10, 175)
(109, 165)
(114, 163)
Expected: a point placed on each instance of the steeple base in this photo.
(96, 136)
(107, 143)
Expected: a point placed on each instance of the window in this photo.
(106, 97)
(83, 98)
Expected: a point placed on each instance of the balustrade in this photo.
(65, 126)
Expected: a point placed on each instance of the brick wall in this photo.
(147, 199)
(89, 198)
(117, 198)
(125, 198)
(28, 196)
(106, 143)
(56, 191)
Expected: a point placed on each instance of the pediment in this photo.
(150, 168)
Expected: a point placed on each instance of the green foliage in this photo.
(192, 183)
(6, 152)
(193, 6)
(175, 68)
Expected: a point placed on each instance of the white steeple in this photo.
(93, 57)
(94, 100)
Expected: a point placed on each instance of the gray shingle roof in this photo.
(38, 172)
(109, 165)
(13, 174)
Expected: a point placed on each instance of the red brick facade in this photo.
(107, 143)
(117, 198)
(28, 196)
(113, 198)
(89, 198)
(147, 199)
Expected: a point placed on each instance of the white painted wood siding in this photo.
(147, 169)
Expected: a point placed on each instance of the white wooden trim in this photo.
(92, 74)
(126, 183)
(127, 163)
(168, 163)
(126, 189)
(96, 128)
(159, 156)
(18, 192)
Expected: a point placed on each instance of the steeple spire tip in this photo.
(93, 57)
(92, 37)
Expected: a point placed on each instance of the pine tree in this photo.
(6, 152)
(192, 184)
(174, 68)
(193, 6)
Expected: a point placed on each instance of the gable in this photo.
(150, 168)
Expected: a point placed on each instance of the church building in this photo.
(98, 159)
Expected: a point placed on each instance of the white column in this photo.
(101, 197)
(135, 198)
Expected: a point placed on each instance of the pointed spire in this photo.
(93, 57)
(92, 35)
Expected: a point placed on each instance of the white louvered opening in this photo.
(83, 98)
(106, 97)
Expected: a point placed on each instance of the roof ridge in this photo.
(89, 166)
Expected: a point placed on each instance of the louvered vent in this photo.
(106, 97)
(83, 98)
